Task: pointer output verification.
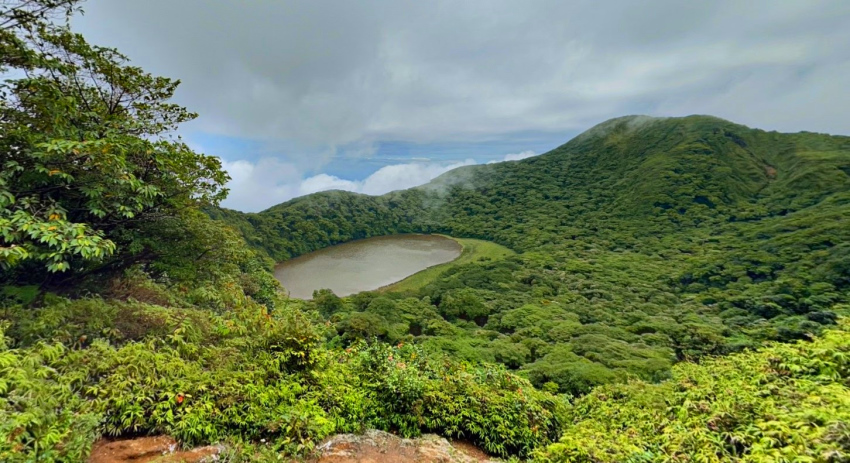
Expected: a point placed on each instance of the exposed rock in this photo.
(382, 447)
(159, 449)
(370, 447)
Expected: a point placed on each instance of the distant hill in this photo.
(634, 171)
(642, 241)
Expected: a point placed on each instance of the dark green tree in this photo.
(86, 146)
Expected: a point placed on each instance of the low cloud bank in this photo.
(515, 156)
(269, 181)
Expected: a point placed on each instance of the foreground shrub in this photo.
(409, 392)
(782, 404)
(41, 416)
(260, 382)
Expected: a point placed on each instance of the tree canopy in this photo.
(86, 149)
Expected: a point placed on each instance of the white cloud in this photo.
(324, 182)
(401, 176)
(342, 76)
(255, 187)
(339, 73)
(516, 156)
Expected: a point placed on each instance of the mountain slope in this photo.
(643, 241)
(644, 174)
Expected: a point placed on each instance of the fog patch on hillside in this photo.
(257, 186)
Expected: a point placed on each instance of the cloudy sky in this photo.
(372, 96)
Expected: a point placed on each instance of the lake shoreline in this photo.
(473, 250)
(367, 264)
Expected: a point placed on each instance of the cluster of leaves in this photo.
(787, 402)
(41, 419)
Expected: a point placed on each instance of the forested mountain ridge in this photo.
(643, 241)
(678, 170)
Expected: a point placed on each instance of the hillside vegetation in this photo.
(784, 403)
(674, 290)
(643, 242)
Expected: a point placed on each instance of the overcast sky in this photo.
(371, 96)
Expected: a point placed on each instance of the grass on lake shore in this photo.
(473, 251)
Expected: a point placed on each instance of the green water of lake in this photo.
(364, 265)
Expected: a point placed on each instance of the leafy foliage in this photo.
(41, 419)
(85, 152)
(244, 376)
(784, 403)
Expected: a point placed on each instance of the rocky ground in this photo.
(370, 447)
(380, 447)
(159, 449)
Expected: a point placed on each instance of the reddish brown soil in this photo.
(381, 447)
(370, 447)
(159, 449)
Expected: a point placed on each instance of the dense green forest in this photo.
(643, 242)
(676, 294)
